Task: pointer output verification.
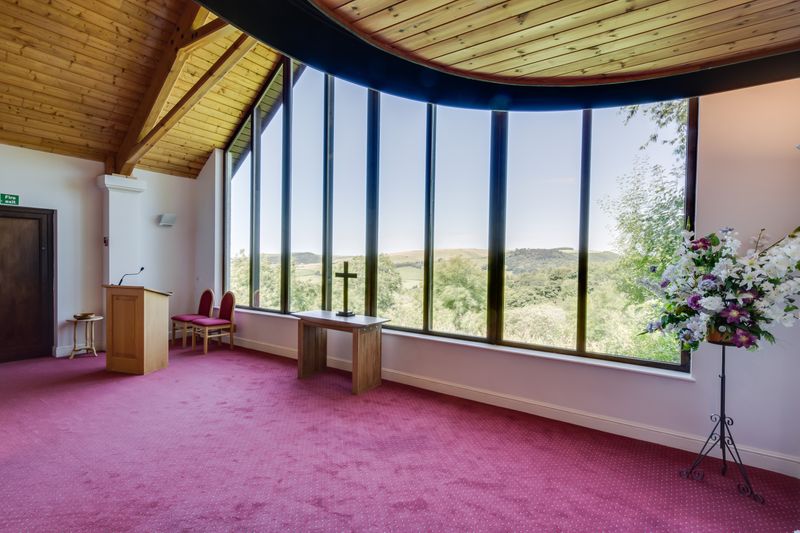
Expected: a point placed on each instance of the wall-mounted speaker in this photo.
(167, 219)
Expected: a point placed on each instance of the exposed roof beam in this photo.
(164, 77)
(216, 29)
(128, 159)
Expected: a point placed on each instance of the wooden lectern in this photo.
(137, 324)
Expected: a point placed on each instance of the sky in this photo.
(543, 174)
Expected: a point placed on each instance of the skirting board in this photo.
(768, 460)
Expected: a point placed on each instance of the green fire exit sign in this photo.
(9, 199)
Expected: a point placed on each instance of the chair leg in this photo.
(205, 341)
(186, 328)
(173, 332)
(193, 337)
(230, 337)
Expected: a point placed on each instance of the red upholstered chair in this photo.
(204, 310)
(214, 328)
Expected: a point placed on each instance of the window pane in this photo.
(461, 233)
(636, 214)
(349, 191)
(240, 190)
(543, 213)
(268, 295)
(402, 211)
(307, 162)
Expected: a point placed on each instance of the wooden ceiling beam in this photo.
(127, 160)
(165, 75)
(216, 29)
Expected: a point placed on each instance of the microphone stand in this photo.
(131, 274)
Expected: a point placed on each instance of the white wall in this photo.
(168, 253)
(748, 177)
(69, 185)
(208, 239)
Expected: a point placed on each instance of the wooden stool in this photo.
(88, 346)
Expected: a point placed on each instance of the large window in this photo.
(542, 229)
(307, 174)
(461, 221)
(268, 294)
(402, 211)
(239, 165)
(525, 229)
(349, 191)
(638, 177)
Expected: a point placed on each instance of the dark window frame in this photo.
(497, 219)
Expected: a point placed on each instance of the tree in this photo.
(648, 219)
(649, 211)
(666, 116)
(389, 282)
(459, 286)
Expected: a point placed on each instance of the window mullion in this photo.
(430, 190)
(286, 187)
(327, 195)
(373, 184)
(498, 182)
(255, 210)
(583, 239)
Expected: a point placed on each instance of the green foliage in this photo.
(671, 116)
(648, 219)
(459, 296)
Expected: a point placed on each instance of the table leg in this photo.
(91, 338)
(74, 340)
(312, 349)
(366, 359)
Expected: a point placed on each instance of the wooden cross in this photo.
(347, 275)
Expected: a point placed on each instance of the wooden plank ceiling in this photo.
(569, 42)
(153, 83)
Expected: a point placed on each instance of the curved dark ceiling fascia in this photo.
(299, 30)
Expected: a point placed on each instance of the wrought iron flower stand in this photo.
(721, 435)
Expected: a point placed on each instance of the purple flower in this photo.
(655, 325)
(734, 314)
(743, 339)
(664, 283)
(693, 301)
(747, 297)
(700, 244)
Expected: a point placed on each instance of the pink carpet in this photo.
(232, 441)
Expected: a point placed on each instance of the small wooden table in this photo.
(88, 324)
(312, 345)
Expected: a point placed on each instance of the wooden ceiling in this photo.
(559, 42)
(153, 83)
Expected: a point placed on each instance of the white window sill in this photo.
(563, 358)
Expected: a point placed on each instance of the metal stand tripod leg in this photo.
(723, 438)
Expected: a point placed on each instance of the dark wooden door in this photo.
(26, 283)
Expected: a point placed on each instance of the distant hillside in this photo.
(523, 260)
(518, 261)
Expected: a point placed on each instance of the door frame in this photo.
(47, 235)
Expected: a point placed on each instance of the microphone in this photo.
(131, 274)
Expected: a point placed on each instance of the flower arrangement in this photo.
(711, 293)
